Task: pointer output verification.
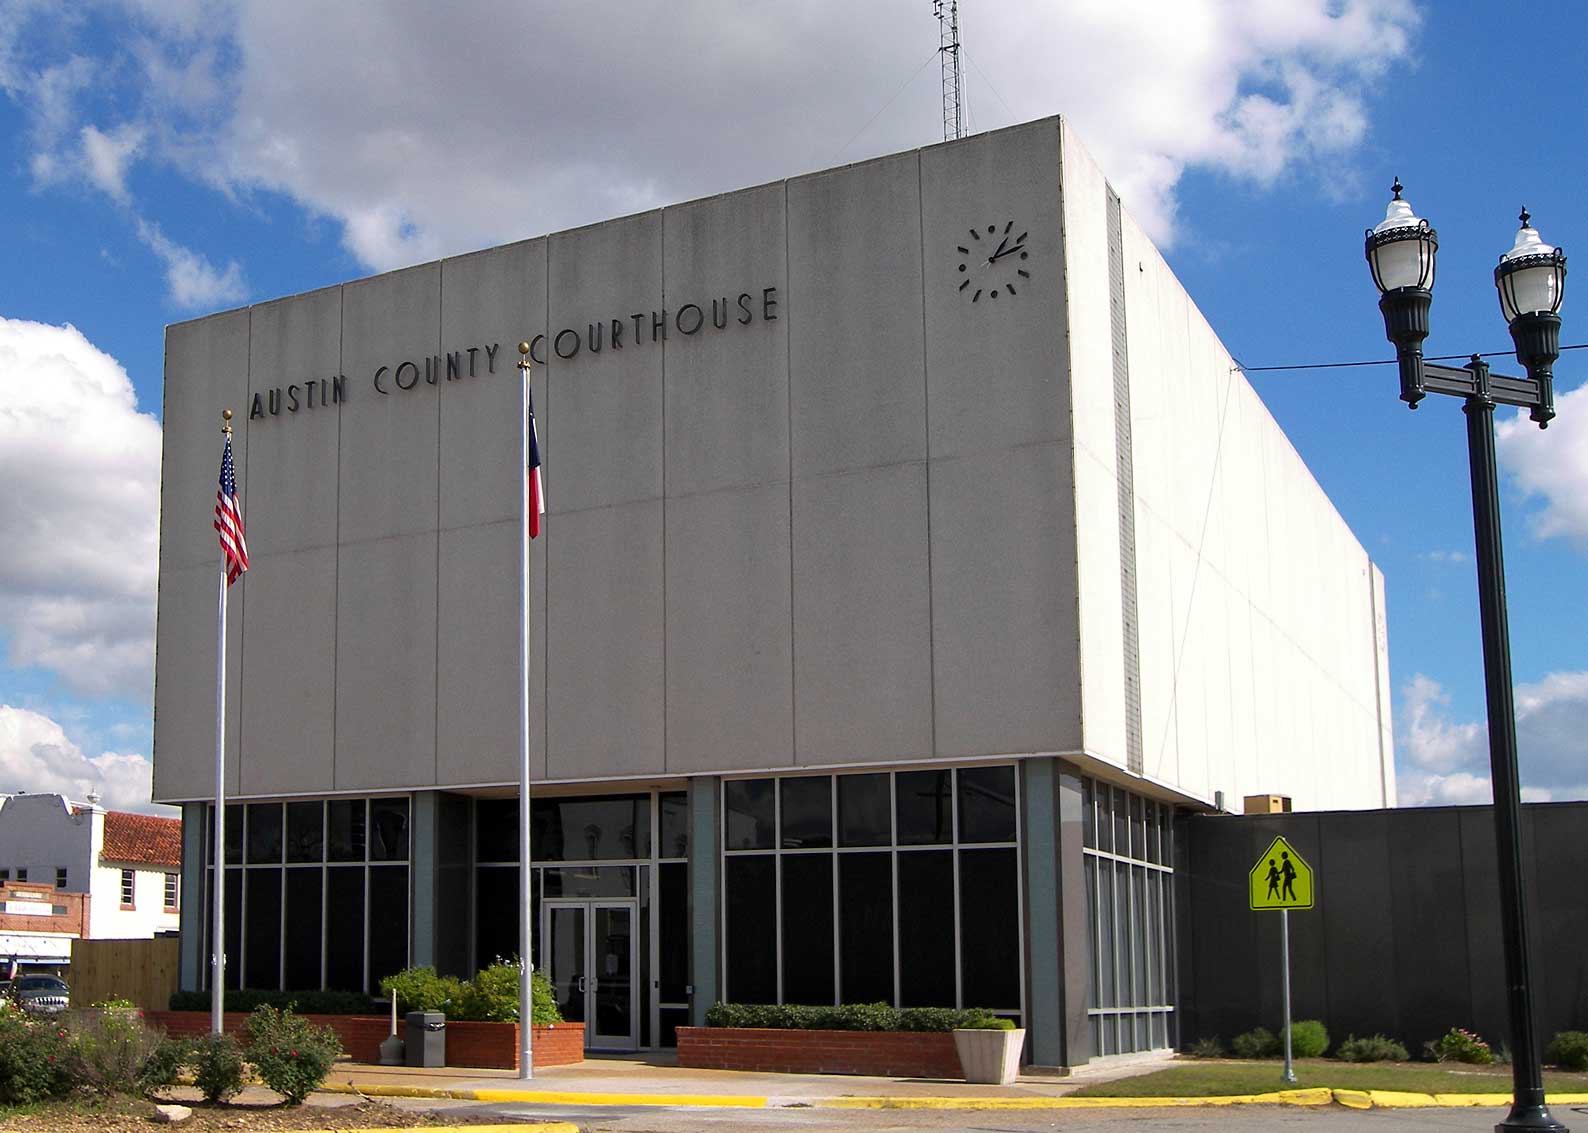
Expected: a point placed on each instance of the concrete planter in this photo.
(992, 1057)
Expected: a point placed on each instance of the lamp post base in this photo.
(1535, 1118)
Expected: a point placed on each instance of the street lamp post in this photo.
(1530, 278)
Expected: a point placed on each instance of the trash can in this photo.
(427, 1038)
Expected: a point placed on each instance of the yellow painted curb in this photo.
(1400, 1099)
(1354, 1099)
(1281, 1097)
(547, 1097)
(533, 1127)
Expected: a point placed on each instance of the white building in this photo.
(129, 864)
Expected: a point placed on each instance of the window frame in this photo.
(129, 889)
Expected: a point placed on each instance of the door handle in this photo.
(581, 983)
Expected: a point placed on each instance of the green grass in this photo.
(1218, 1078)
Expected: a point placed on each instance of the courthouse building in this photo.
(914, 554)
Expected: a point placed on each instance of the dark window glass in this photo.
(305, 833)
(750, 901)
(865, 920)
(578, 830)
(345, 834)
(675, 825)
(925, 806)
(926, 922)
(344, 937)
(303, 929)
(263, 931)
(987, 804)
(1089, 870)
(602, 881)
(496, 830)
(234, 834)
(1138, 829)
(1088, 817)
(264, 833)
(234, 922)
(496, 904)
(808, 928)
(1121, 823)
(863, 811)
(388, 922)
(1106, 956)
(807, 813)
(672, 1019)
(989, 915)
(1105, 819)
(673, 915)
(388, 830)
(749, 806)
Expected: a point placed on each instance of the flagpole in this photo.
(217, 857)
(526, 1056)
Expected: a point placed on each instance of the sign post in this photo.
(1282, 880)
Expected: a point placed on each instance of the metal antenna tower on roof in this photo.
(953, 77)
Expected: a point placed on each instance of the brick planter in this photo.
(886, 1054)
(487, 1046)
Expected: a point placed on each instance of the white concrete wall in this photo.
(107, 920)
(39, 833)
(1263, 653)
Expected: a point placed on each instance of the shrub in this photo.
(1308, 1039)
(37, 1061)
(217, 1063)
(1206, 1048)
(1259, 1042)
(943, 1019)
(421, 989)
(307, 1002)
(492, 996)
(1461, 1045)
(1374, 1048)
(164, 1065)
(113, 1045)
(849, 1017)
(114, 1005)
(291, 1055)
(990, 1023)
(1568, 1050)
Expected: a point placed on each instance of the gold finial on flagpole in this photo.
(523, 349)
(226, 421)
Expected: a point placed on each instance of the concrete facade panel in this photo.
(727, 387)
(730, 679)
(206, 371)
(387, 472)
(488, 299)
(856, 339)
(295, 353)
(477, 664)
(287, 689)
(862, 617)
(606, 447)
(1005, 658)
(386, 663)
(184, 680)
(605, 694)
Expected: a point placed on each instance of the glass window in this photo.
(600, 881)
(344, 947)
(808, 928)
(1088, 815)
(170, 898)
(673, 882)
(234, 834)
(262, 934)
(388, 922)
(590, 829)
(388, 830)
(496, 902)
(865, 918)
(234, 922)
(864, 810)
(925, 808)
(264, 833)
(987, 804)
(496, 830)
(306, 832)
(926, 920)
(750, 883)
(1121, 823)
(675, 825)
(989, 884)
(303, 921)
(128, 888)
(749, 806)
(807, 814)
(345, 835)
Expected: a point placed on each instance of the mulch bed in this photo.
(124, 1115)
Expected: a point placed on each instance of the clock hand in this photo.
(1001, 253)
(992, 258)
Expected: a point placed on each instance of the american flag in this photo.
(229, 518)
(537, 497)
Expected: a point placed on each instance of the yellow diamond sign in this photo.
(1280, 879)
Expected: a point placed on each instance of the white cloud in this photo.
(1445, 761)
(36, 756)
(107, 156)
(80, 512)
(194, 283)
(1552, 464)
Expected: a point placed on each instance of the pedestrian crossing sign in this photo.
(1281, 879)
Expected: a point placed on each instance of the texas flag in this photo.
(537, 498)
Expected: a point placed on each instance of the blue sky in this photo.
(162, 160)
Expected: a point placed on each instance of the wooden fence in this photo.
(144, 971)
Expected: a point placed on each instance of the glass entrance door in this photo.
(589, 953)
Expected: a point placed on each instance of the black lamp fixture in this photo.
(1531, 280)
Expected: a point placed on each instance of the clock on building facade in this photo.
(993, 262)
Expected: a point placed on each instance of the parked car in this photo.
(41, 995)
